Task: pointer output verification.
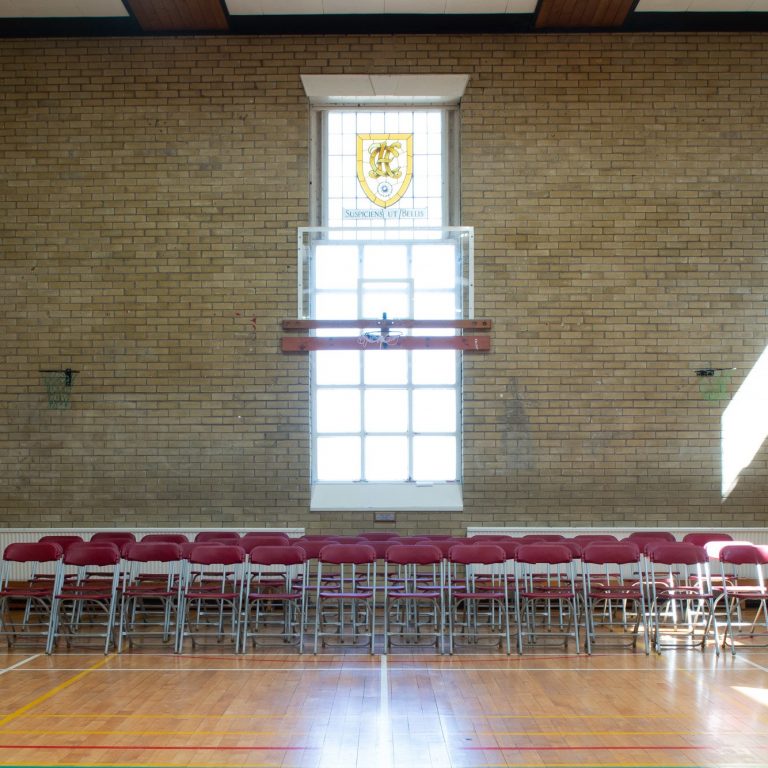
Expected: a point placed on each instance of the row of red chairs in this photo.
(487, 550)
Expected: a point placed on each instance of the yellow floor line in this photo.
(89, 732)
(17, 764)
(40, 699)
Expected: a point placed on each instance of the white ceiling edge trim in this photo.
(386, 497)
(384, 89)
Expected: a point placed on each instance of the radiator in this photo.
(754, 535)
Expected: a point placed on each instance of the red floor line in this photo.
(95, 747)
(573, 749)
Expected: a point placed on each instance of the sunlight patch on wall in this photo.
(744, 424)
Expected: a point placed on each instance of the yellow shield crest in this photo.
(384, 166)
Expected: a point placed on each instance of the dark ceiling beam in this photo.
(583, 14)
(179, 15)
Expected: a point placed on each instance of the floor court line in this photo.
(145, 748)
(754, 664)
(49, 694)
(20, 664)
(374, 670)
(274, 765)
(289, 716)
(591, 748)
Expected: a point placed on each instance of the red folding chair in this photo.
(745, 601)
(211, 595)
(25, 592)
(275, 596)
(414, 604)
(85, 606)
(613, 593)
(547, 599)
(345, 595)
(681, 597)
(150, 592)
(478, 597)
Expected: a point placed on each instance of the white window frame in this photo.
(390, 496)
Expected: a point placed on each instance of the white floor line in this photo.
(384, 668)
(20, 664)
(186, 670)
(753, 664)
(386, 743)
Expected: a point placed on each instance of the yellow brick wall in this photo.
(150, 191)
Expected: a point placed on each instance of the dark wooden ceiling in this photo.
(583, 13)
(163, 17)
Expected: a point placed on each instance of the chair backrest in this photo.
(477, 554)
(489, 538)
(379, 535)
(173, 538)
(414, 554)
(63, 540)
(510, 547)
(744, 554)
(216, 553)
(277, 554)
(251, 540)
(714, 548)
(643, 537)
(116, 537)
(318, 536)
(436, 536)
(382, 547)
(311, 547)
(677, 553)
(347, 554)
(188, 546)
(98, 553)
(413, 540)
(576, 547)
(544, 552)
(614, 553)
(445, 545)
(33, 552)
(701, 539)
(544, 537)
(153, 552)
(587, 538)
(205, 536)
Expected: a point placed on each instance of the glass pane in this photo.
(434, 458)
(434, 410)
(435, 306)
(385, 261)
(376, 302)
(434, 266)
(340, 368)
(386, 410)
(338, 458)
(336, 306)
(385, 367)
(386, 458)
(338, 410)
(434, 367)
(336, 266)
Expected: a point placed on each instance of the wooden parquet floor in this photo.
(354, 710)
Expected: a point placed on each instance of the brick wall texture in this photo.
(150, 193)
